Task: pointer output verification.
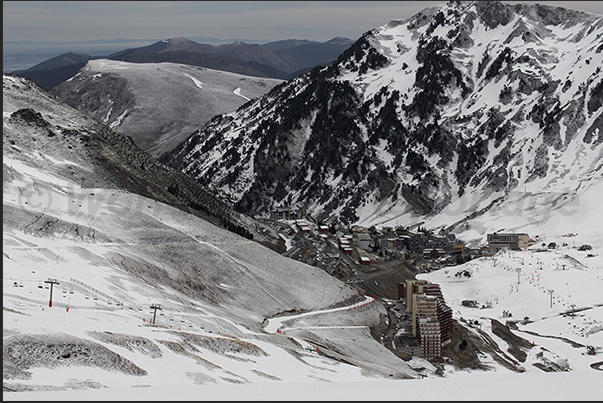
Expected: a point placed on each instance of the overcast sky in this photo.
(248, 20)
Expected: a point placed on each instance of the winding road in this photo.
(275, 324)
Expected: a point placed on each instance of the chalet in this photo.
(304, 228)
(364, 260)
(332, 254)
(388, 231)
(288, 213)
(402, 231)
(422, 265)
(409, 345)
(482, 251)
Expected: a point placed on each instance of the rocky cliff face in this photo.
(468, 102)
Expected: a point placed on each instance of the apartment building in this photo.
(431, 317)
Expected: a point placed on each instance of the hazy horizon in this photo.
(34, 31)
(258, 21)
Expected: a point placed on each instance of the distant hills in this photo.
(56, 70)
(284, 59)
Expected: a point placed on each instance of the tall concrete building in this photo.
(429, 333)
(420, 287)
(431, 317)
(444, 313)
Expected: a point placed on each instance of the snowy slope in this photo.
(107, 283)
(554, 297)
(115, 252)
(157, 104)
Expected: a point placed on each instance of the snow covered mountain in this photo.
(157, 104)
(464, 108)
(78, 208)
(237, 320)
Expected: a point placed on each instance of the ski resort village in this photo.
(420, 321)
(414, 214)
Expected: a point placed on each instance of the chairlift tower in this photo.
(551, 302)
(155, 307)
(51, 281)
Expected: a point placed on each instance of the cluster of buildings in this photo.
(428, 320)
(425, 250)
(430, 317)
(341, 251)
(421, 246)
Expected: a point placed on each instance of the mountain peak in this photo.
(466, 98)
(179, 39)
(339, 40)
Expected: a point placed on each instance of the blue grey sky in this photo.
(251, 20)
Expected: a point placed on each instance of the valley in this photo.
(417, 213)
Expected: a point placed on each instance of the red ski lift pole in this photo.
(51, 281)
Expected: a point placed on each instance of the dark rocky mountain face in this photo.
(463, 103)
(167, 45)
(63, 60)
(52, 77)
(312, 54)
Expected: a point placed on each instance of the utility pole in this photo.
(518, 271)
(155, 307)
(51, 281)
(551, 302)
